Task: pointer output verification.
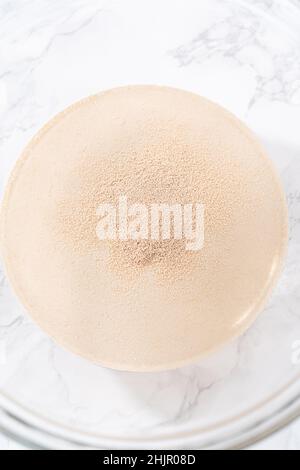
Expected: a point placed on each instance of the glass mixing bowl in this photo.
(244, 55)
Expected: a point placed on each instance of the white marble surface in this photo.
(244, 55)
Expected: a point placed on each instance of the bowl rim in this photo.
(282, 407)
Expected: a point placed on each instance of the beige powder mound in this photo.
(143, 305)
